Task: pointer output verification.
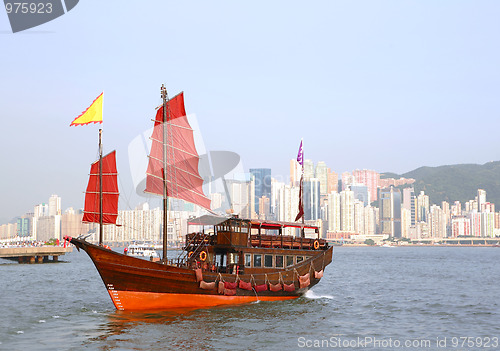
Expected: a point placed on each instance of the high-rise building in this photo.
(361, 194)
(334, 212)
(347, 210)
(24, 226)
(264, 208)
(295, 173)
(347, 180)
(359, 217)
(54, 205)
(437, 222)
(410, 203)
(390, 211)
(422, 207)
(262, 177)
(311, 199)
(308, 169)
(322, 175)
(481, 199)
(333, 180)
(460, 226)
(370, 179)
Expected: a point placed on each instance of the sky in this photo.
(383, 85)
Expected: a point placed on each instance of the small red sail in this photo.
(109, 191)
(182, 178)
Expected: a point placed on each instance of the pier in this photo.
(38, 254)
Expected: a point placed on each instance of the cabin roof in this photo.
(254, 223)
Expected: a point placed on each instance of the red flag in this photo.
(301, 205)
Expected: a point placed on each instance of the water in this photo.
(413, 295)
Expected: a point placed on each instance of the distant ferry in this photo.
(142, 250)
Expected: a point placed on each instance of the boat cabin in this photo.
(237, 245)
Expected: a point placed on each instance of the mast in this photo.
(100, 189)
(164, 96)
(302, 187)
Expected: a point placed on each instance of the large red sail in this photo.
(183, 178)
(109, 191)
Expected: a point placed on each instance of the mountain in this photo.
(455, 182)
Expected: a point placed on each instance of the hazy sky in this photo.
(383, 85)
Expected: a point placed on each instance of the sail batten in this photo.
(183, 180)
(110, 192)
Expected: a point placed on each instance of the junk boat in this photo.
(236, 261)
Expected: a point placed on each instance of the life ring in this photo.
(203, 255)
(190, 253)
(316, 244)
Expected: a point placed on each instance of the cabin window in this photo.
(268, 260)
(300, 259)
(257, 260)
(248, 260)
(308, 257)
(279, 261)
(289, 261)
(233, 258)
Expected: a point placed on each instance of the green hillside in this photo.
(456, 182)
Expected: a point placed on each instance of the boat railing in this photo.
(287, 242)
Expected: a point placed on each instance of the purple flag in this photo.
(300, 156)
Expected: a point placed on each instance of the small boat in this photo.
(227, 260)
(142, 250)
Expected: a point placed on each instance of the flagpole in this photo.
(100, 189)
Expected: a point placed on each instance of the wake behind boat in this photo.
(226, 260)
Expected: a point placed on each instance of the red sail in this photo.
(182, 178)
(109, 191)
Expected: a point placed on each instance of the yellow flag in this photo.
(93, 114)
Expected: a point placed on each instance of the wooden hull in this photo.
(137, 284)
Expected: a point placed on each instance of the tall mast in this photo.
(164, 96)
(302, 186)
(100, 188)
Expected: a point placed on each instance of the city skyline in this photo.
(386, 86)
(344, 209)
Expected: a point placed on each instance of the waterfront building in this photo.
(456, 209)
(422, 207)
(481, 199)
(262, 178)
(24, 226)
(295, 173)
(333, 181)
(475, 223)
(288, 206)
(334, 212)
(322, 175)
(347, 210)
(437, 222)
(390, 211)
(487, 224)
(359, 217)
(370, 222)
(242, 195)
(215, 201)
(54, 205)
(264, 208)
(370, 179)
(311, 199)
(347, 180)
(361, 194)
(308, 169)
(405, 222)
(460, 226)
